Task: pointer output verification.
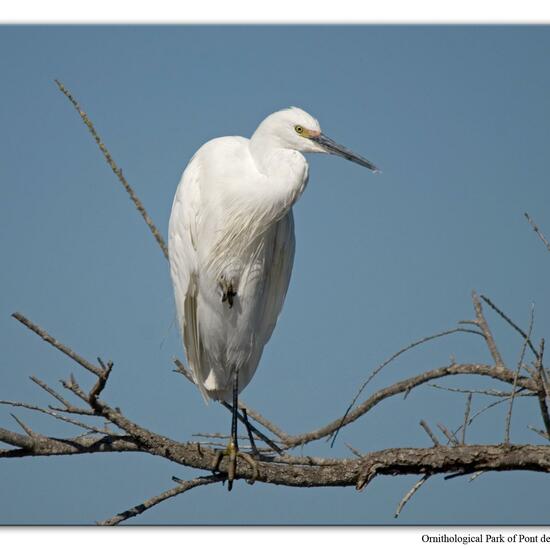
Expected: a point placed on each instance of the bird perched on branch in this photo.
(231, 248)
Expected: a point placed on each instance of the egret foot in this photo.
(232, 453)
(228, 292)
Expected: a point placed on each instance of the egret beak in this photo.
(334, 148)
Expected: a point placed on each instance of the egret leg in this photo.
(255, 452)
(233, 447)
(232, 451)
(254, 430)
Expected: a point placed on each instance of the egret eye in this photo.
(299, 129)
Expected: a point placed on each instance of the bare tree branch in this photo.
(26, 429)
(518, 369)
(511, 323)
(451, 437)
(182, 487)
(499, 373)
(537, 231)
(542, 393)
(489, 393)
(466, 417)
(289, 470)
(47, 446)
(389, 360)
(51, 391)
(427, 429)
(410, 493)
(545, 435)
(305, 471)
(482, 324)
(55, 415)
(56, 344)
(117, 171)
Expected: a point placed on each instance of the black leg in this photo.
(250, 437)
(254, 430)
(233, 444)
(235, 408)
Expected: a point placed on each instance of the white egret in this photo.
(231, 248)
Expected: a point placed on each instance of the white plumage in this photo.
(231, 243)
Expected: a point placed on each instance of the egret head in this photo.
(293, 128)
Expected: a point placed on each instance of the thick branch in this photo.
(46, 446)
(303, 471)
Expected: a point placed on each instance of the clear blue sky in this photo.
(458, 120)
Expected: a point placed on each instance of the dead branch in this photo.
(56, 344)
(392, 358)
(542, 392)
(410, 494)
(182, 487)
(482, 324)
(55, 415)
(466, 418)
(286, 469)
(117, 171)
(537, 231)
(522, 333)
(516, 375)
(427, 429)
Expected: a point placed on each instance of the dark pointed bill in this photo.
(334, 148)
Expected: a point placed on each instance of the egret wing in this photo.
(182, 246)
(278, 276)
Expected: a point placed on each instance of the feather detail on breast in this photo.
(247, 218)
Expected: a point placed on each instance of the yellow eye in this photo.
(299, 129)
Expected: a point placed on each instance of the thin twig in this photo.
(510, 322)
(482, 324)
(182, 487)
(180, 367)
(520, 393)
(388, 361)
(354, 451)
(56, 344)
(403, 386)
(410, 493)
(432, 436)
(101, 381)
(117, 171)
(26, 429)
(516, 376)
(451, 437)
(537, 231)
(55, 415)
(466, 417)
(490, 393)
(218, 436)
(542, 394)
(540, 432)
(489, 406)
(51, 391)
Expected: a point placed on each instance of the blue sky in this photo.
(458, 120)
